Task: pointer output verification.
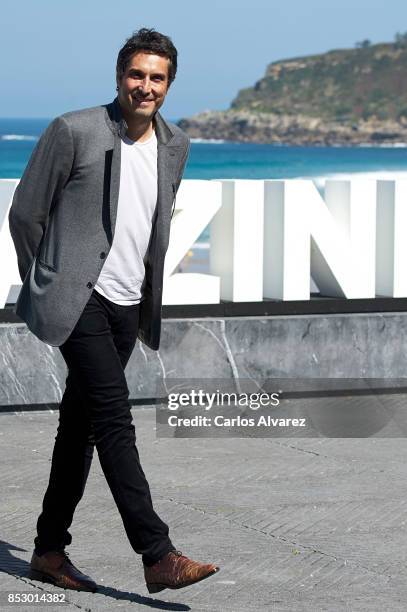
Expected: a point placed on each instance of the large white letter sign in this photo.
(287, 243)
(237, 241)
(269, 238)
(391, 253)
(197, 202)
(353, 206)
(9, 274)
(304, 234)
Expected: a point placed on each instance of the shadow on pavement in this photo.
(14, 566)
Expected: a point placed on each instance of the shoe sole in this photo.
(42, 577)
(156, 587)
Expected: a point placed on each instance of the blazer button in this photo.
(102, 255)
(89, 285)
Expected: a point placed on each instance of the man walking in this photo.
(90, 220)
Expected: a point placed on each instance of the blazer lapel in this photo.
(118, 127)
(115, 181)
(167, 160)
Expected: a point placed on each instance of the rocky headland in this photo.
(343, 97)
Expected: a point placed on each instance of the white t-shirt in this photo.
(122, 276)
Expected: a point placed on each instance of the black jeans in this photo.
(95, 411)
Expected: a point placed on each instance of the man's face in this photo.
(144, 85)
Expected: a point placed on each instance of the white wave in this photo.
(17, 137)
(381, 145)
(207, 141)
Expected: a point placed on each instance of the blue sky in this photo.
(58, 56)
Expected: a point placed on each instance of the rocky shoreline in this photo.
(297, 130)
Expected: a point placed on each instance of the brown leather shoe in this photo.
(175, 571)
(56, 567)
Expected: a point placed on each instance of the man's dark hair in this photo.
(149, 41)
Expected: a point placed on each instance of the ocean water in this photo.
(218, 159)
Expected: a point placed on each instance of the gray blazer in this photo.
(62, 219)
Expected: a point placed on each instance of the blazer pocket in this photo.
(48, 246)
(174, 194)
(47, 266)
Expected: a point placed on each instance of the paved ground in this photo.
(295, 524)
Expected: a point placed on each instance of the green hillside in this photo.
(342, 97)
(344, 84)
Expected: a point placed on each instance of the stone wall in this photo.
(369, 345)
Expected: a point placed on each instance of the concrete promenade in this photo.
(296, 524)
